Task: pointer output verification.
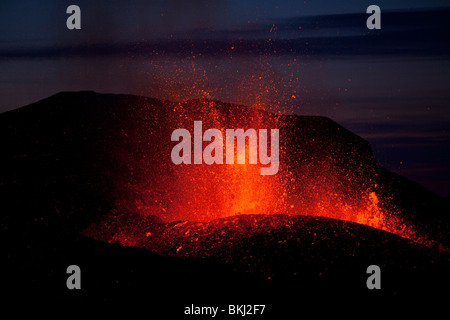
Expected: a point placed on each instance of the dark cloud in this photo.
(417, 33)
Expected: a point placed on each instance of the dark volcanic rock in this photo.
(72, 161)
(315, 253)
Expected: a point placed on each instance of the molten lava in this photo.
(324, 172)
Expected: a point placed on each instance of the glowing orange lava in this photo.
(200, 192)
(311, 179)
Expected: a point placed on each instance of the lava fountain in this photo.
(324, 170)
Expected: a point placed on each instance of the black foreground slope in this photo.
(58, 176)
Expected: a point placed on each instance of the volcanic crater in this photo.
(92, 172)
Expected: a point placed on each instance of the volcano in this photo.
(87, 179)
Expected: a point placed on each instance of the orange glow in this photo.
(207, 192)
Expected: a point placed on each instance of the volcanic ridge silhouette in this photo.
(87, 180)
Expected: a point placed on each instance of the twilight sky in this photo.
(390, 86)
